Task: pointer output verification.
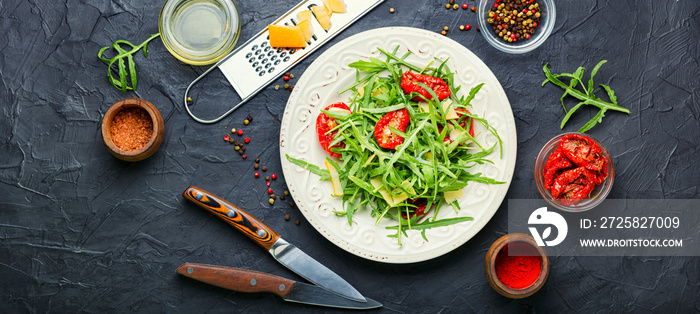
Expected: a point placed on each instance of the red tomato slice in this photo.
(583, 152)
(556, 164)
(325, 123)
(383, 134)
(575, 184)
(420, 210)
(409, 84)
(462, 122)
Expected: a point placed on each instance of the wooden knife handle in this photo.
(237, 279)
(244, 222)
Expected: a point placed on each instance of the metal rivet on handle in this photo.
(282, 287)
(189, 270)
(198, 196)
(231, 213)
(253, 282)
(261, 233)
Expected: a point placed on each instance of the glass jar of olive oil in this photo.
(199, 32)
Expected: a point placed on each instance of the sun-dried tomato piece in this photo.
(409, 84)
(324, 123)
(384, 135)
(556, 164)
(574, 184)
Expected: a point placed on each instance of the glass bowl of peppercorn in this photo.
(574, 172)
(516, 26)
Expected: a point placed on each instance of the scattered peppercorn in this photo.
(226, 138)
(452, 2)
(257, 174)
(267, 177)
(465, 6)
(277, 87)
(273, 176)
(448, 6)
(268, 183)
(256, 166)
(286, 192)
(237, 148)
(233, 130)
(286, 78)
(272, 201)
(282, 196)
(291, 204)
(246, 140)
(286, 217)
(257, 160)
(291, 88)
(245, 156)
(291, 75)
(250, 118)
(473, 9)
(269, 191)
(239, 132)
(443, 32)
(189, 99)
(455, 6)
(391, 10)
(246, 121)
(297, 222)
(461, 27)
(264, 168)
(286, 86)
(446, 28)
(468, 27)
(273, 196)
(286, 73)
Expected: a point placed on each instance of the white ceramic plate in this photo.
(319, 86)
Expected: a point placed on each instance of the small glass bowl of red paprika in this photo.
(541, 26)
(516, 267)
(561, 179)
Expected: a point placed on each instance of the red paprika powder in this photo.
(519, 269)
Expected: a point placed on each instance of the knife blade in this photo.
(250, 281)
(287, 254)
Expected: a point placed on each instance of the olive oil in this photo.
(199, 24)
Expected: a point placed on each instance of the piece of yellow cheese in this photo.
(323, 15)
(303, 15)
(450, 113)
(307, 29)
(337, 188)
(335, 6)
(392, 200)
(286, 36)
(451, 196)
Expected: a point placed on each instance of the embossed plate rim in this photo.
(297, 109)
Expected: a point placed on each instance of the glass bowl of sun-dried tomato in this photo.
(516, 26)
(574, 172)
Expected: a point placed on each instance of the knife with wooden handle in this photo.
(249, 281)
(284, 252)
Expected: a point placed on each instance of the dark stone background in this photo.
(81, 231)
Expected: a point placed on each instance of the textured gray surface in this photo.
(81, 231)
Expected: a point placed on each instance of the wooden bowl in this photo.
(490, 264)
(156, 137)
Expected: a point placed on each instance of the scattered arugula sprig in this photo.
(121, 83)
(407, 170)
(586, 97)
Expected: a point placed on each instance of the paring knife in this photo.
(242, 280)
(284, 252)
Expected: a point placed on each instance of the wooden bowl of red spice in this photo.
(516, 267)
(132, 129)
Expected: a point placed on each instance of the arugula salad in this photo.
(404, 145)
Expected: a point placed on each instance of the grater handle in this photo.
(187, 107)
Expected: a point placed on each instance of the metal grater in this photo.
(254, 65)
